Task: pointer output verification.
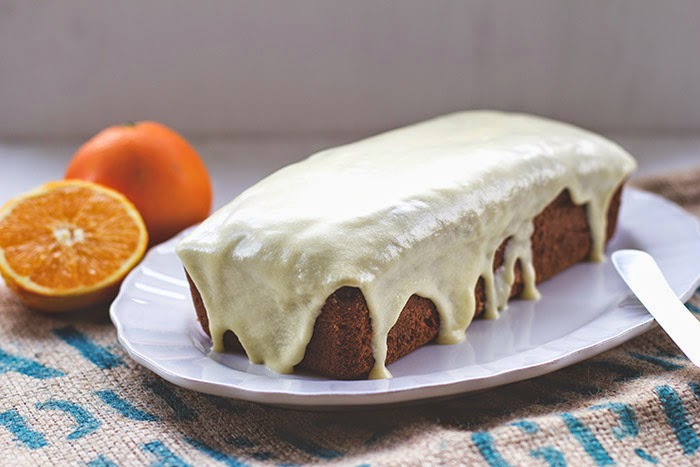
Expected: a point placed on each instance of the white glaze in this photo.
(420, 210)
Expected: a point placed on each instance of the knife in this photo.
(641, 273)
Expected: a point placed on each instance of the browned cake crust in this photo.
(341, 344)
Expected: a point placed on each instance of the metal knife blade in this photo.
(641, 273)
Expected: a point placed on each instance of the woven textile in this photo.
(69, 395)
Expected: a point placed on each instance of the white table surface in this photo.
(235, 164)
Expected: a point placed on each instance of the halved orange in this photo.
(67, 245)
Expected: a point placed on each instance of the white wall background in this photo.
(220, 68)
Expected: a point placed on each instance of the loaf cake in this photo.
(360, 254)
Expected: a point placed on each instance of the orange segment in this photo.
(68, 244)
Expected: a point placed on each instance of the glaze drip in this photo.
(418, 210)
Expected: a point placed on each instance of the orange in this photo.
(68, 244)
(155, 168)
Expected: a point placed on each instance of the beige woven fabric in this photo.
(69, 395)
(683, 187)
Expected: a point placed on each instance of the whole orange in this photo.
(155, 168)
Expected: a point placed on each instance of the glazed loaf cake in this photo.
(341, 344)
(346, 261)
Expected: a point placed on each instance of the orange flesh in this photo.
(70, 238)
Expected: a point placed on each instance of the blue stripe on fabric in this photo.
(625, 372)
(484, 443)
(578, 388)
(125, 408)
(26, 367)
(101, 461)
(677, 418)
(84, 420)
(214, 454)
(377, 436)
(568, 385)
(262, 455)
(310, 447)
(587, 439)
(96, 354)
(550, 399)
(165, 392)
(695, 387)
(628, 419)
(660, 362)
(647, 457)
(553, 457)
(241, 442)
(527, 426)
(693, 308)
(227, 404)
(16, 425)
(666, 354)
(166, 458)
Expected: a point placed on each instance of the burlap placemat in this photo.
(69, 395)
